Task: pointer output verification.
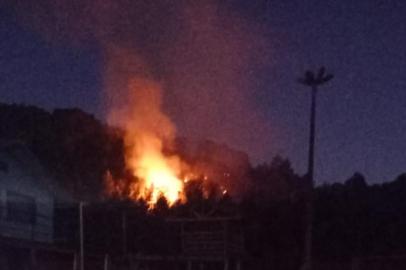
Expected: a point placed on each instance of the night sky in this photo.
(361, 113)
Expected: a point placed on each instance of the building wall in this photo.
(23, 190)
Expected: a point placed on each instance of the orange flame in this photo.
(158, 173)
(146, 128)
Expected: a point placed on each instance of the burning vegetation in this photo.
(158, 164)
(146, 129)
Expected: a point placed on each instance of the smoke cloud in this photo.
(200, 55)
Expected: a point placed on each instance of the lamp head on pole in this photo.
(312, 79)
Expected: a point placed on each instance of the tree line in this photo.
(352, 218)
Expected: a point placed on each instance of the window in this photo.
(20, 208)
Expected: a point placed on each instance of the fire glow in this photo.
(158, 174)
(146, 129)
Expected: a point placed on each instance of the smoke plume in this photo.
(189, 64)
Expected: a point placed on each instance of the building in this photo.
(27, 198)
(26, 202)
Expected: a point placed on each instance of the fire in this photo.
(158, 175)
(135, 105)
(146, 129)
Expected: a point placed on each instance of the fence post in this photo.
(355, 264)
(106, 262)
(33, 258)
(75, 261)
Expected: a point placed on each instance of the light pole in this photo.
(313, 81)
(124, 232)
(81, 232)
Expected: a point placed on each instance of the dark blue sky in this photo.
(361, 112)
